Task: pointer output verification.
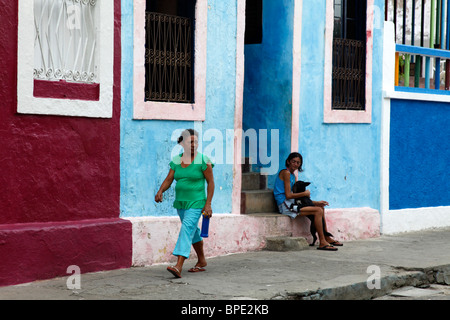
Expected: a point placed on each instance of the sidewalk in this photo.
(407, 259)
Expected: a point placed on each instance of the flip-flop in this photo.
(327, 248)
(196, 269)
(336, 244)
(174, 271)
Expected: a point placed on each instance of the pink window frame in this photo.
(347, 116)
(166, 110)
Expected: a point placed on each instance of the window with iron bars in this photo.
(65, 45)
(349, 55)
(169, 55)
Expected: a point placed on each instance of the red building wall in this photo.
(59, 180)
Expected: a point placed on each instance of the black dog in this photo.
(300, 186)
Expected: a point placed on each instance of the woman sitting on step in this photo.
(283, 191)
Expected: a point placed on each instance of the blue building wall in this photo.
(146, 145)
(419, 154)
(268, 82)
(341, 160)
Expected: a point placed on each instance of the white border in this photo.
(238, 108)
(392, 94)
(296, 74)
(166, 110)
(28, 104)
(406, 220)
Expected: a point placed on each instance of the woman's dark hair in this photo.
(187, 133)
(292, 156)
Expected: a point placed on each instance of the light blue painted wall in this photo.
(146, 146)
(268, 81)
(341, 160)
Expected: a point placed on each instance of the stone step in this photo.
(253, 201)
(286, 244)
(254, 181)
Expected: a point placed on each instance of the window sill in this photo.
(66, 90)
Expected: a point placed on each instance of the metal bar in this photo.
(407, 68)
(447, 74)
(386, 13)
(427, 72)
(417, 69)
(435, 53)
(413, 23)
(438, 25)
(437, 74)
(422, 23)
(397, 66)
(404, 23)
(442, 42)
(447, 46)
(395, 20)
(413, 27)
(432, 22)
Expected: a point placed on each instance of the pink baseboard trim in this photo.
(154, 238)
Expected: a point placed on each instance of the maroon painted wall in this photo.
(57, 170)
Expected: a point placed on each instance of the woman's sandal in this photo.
(196, 269)
(174, 271)
(327, 248)
(336, 244)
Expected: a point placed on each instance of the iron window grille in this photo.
(349, 55)
(65, 45)
(168, 58)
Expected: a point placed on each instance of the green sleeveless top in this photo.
(190, 187)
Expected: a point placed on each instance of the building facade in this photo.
(60, 171)
(91, 117)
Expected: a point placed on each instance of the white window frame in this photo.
(28, 104)
(167, 110)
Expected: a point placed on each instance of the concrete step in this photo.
(254, 181)
(286, 244)
(253, 201)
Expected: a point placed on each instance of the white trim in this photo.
(392, 94)
(406, 220)
(28, 104)
(166, 110)
(388, 79)
(238, 109)
(296, 73)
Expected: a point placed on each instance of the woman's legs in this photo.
(198, 247)
(318, 214)
(189, 235)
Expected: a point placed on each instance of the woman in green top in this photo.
(190, 169)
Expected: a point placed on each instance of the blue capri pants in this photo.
(189, 232)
